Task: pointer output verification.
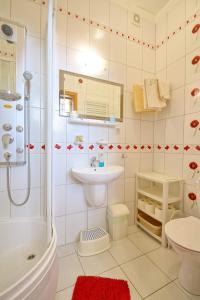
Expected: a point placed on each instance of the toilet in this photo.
(184, 237)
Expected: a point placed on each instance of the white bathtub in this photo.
(22, 278)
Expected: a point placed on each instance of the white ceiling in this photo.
(152, 6)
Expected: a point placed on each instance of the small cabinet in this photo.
(158, 198)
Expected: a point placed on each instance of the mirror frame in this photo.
(61, 89)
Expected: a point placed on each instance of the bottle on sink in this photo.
(101, 160)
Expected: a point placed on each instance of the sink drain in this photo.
(31, 256)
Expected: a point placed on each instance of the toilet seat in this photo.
(185, 232)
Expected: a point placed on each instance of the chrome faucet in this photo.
(94, 162)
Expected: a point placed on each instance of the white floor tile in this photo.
(65, 294)
(167, 260)
(133, 229)
(144, 275)
(124, 250)
(69, 269)
(96, 264)
(118, 274)
(143, 241)
(65, 250)
(193, 297)
(169, 292)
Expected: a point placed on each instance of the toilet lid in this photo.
(185, 232)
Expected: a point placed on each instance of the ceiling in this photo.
(151, 6)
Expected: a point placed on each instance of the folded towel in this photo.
(139, 99)
(153, 99)
(164, 90)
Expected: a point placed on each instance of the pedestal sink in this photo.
(94, 182)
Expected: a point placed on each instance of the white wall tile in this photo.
(134, 76)
(61, 29)
(77, 35)
(174, 165)
(117, 49)
(97, 133)
(118, 17)
(176, 103)
(176, 73)
(60, 230)
(129, 190)
(31, 208)
(133, 131)
(73, 130)
(116, 134)
(134, 55)
(146, 132)
(132, 164)
(27, 13)
(5, 8)
(176, 47)
(99, 42)
(159, 162)
(161, 55)
(76, 201)
(117, 73)
(97, 218)
(33, 54)
(74, 224)
(59, 200)
(176, 15)
(4, 205)
(174, 130)
(60, 169)
(116, 191)
(149, 58)
(81, 7)
(159, 132)
(99, 11)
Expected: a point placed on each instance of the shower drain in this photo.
(31, 256)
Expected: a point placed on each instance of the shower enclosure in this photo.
(28, 263)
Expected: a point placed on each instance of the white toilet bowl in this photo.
(184, 236)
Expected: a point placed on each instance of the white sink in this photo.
(97, 175)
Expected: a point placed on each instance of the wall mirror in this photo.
(90, 97)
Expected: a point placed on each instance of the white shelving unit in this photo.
(160, 191)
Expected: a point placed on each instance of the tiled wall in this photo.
(34, 16)
(176, 142)
(128, 56)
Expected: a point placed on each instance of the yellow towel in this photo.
(138, 91)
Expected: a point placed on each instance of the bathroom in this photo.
(131, 174)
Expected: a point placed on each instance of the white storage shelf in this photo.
(161, 190)
(156, 194)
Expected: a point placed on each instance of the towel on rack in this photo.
(164, 90)
(153, 99)
(139, 99)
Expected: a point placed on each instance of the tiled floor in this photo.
(150, 270)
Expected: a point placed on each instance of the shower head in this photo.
(27, 75)
(9, 95)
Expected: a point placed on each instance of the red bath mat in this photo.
(99, 288)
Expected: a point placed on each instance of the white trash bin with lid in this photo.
(118, 221)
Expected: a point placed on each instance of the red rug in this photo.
(99, 288)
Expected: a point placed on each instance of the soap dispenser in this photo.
(101, 160)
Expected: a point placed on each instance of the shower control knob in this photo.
(19, 150)
(7, 156)
(19, 128)
(19, 107)
(7, 126)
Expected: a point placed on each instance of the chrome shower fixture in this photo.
(9, 95)
(27, 76)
